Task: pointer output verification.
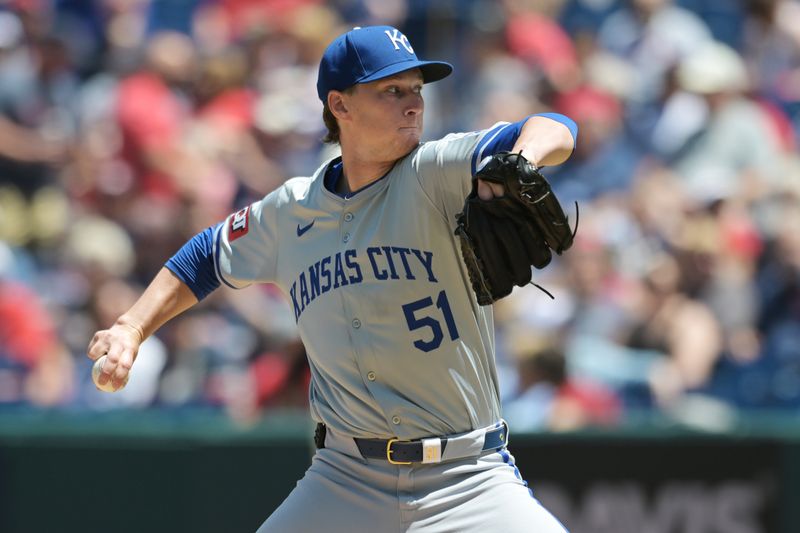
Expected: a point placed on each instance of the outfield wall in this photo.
(157, 472)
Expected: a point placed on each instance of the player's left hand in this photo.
(120, 344)
(488, 190)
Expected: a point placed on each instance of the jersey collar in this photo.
(334, 170)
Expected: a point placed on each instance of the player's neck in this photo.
(357, 174)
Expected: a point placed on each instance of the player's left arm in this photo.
(445, 167)
(546, 139)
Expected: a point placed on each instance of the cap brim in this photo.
(431, 70)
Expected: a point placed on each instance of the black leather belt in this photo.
(406, 452)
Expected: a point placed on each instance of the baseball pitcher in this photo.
(390, 257)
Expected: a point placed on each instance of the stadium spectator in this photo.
(120, 140)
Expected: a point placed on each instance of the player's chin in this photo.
(409, 137)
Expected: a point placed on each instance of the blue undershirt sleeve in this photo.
(568, 122)
(194, 264)
(502, 137)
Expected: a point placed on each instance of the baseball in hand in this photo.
(108, 387)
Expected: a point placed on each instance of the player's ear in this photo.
(337, 104)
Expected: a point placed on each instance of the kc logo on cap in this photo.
(398, 38)
(368, 54)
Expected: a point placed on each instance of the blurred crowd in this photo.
(127, 126)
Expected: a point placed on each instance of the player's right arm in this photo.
(188, 277)
(166, 297)
(239, 251)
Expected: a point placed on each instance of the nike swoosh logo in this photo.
(301, 231)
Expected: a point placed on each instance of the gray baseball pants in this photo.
(342, 492)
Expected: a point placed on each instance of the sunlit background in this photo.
(128, 126)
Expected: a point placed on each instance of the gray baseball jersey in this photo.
(397, 345)
(396, 342)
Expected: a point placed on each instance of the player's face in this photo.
(387, 115)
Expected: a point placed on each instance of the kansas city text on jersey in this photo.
(344, 268)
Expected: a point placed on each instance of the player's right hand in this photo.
(120, 344)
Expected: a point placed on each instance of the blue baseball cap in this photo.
(368, 54)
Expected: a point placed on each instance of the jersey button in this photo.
(346, 237)
(348, 217)
(356, 323)
(371, 376)
(395, 420)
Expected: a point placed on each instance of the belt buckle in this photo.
(389, 453)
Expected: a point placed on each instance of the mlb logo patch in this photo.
(239, 224)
